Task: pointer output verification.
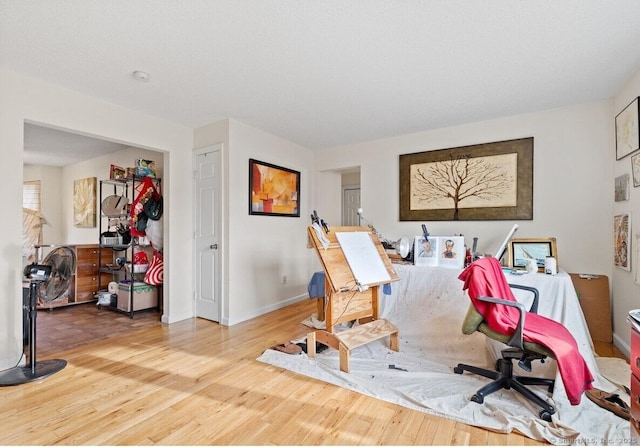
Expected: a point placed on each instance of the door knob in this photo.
(213, 247)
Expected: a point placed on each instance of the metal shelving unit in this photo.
(122, 268)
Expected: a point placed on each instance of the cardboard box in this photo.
(595, 301)
(144, 296)
(145, 168)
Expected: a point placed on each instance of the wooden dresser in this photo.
(635, 379)
(84, 285)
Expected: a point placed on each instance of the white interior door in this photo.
(350, 205)
(207, 232)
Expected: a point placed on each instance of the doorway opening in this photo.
(56, 157)
(350, 197)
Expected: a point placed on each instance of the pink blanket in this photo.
(485, 278)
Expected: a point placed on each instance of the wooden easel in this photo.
(343, 302)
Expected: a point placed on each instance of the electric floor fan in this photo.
(49, 281)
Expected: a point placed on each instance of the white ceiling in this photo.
(51, 147)
(331, 72)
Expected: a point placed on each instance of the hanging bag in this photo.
(155, 272)
(143, 192)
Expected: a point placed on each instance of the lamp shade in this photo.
(403, 247)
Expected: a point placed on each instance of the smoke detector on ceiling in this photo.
(142, 76)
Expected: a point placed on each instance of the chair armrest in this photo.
(536, 294)
(516, 339)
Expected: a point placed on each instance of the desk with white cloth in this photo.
(435, 295)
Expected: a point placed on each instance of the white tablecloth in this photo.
(428, 306)
(558, 301)
(428, 285)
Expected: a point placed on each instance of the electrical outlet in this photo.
(284, 279)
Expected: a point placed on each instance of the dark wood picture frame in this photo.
(442, 172)
(273, 190)
(627, 130)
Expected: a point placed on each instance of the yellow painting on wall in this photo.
(84, 202)
(273, 190)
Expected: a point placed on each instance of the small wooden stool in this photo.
(358, 336)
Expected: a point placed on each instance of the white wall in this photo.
(626, 293)
(261, 250)
(42, 103)
(573, 187)
(572, 182)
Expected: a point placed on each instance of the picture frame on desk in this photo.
(521, 249)
(425, 251)
(439, 251)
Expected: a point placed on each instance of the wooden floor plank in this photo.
(195, 382)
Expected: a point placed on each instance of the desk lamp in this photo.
(402, 246)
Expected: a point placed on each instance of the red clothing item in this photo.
(485, 278)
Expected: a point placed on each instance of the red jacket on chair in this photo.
(485, 278)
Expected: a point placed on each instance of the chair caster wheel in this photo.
(457, 370)
(477, 398)
(545, 415)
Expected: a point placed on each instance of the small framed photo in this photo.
(622, 241)
(622, 188)
(273, 190)
(451, 252)
(521, 249)
(439, 251)
(425, 252)
(627, 136)
(635, 169)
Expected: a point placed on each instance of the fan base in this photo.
(23, 374)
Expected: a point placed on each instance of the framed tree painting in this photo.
(492, 181)
(273, 190)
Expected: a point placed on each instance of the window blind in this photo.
(31, 195)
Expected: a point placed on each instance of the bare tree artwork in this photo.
(464, 181)
(487, 181)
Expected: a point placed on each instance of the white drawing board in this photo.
(363, 258)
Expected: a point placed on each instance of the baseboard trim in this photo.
(264, 310)
(622, 345)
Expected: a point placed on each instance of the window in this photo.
(32, 219)
(31, 195)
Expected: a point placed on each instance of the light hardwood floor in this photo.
(196, 382)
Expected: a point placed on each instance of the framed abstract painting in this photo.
(273, 190)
